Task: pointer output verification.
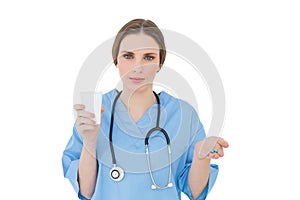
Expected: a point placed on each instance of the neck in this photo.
(138, 101)
(138, 98)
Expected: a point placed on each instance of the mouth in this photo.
(136, 79)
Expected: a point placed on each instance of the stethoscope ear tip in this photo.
(170, 185)
(154, 187)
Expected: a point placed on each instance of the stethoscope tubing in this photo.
(117, 173)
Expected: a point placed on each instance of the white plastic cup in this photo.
(92, 100)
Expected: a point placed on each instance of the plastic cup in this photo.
(92, 101)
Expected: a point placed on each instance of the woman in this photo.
(139, 53)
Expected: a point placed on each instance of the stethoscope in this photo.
(116, 172)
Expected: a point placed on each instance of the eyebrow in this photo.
(129, 52)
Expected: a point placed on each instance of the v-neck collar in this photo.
(140, 128)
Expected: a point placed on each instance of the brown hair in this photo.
(140, 26)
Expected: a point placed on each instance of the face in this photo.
(138, 61)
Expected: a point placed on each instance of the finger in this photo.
(102, 109)
(78, 107)
(83, 120)
(214, 155)
(85, 114)
(216, 152)
(223, 143)
(220, 152)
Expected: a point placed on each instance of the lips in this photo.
(136, 79)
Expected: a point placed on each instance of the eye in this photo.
(149, 58)
(128, 56)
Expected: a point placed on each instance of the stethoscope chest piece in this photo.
(116, 173)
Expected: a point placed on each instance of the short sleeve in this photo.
(197, 135)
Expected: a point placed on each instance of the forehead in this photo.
(134, 42)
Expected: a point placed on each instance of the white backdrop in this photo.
(254, 44)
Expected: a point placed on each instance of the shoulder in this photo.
(167, 100)
(110, 94)
(108, 97)
(178, 109)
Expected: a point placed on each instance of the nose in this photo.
(138, 69)
(138, 66)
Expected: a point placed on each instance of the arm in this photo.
(87, 169)
(198, 176)
(200, 168)
(87, 173)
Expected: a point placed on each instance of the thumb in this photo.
(206, 146)
(102, 109)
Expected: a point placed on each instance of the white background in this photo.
(254, 44)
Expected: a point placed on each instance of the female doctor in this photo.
(139, 131)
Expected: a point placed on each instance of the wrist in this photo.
(197, 158)
(90, 146)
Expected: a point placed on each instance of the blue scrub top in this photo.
(184, 128)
